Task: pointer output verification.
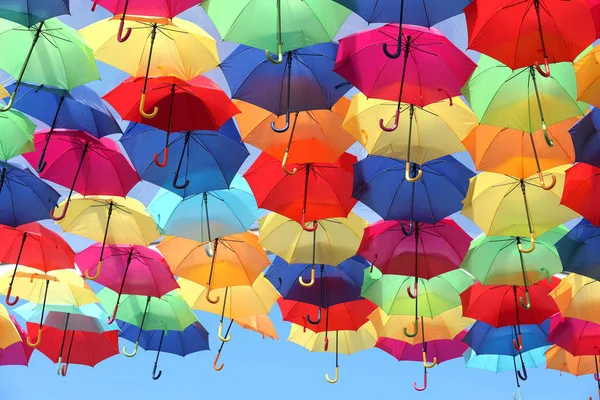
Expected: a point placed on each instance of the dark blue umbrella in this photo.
(380, 184)
(30, 12)
(24, 197)
(321, 285)
(586, 139)
(191, 340)
(304, 81)
(208, 160)
(579, 250)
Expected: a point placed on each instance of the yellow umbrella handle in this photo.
(279, 55)
(544, 186)
(211, 301)
(220, 333)
(283, 165)
(407, 174)
(135, 349)
(312, 279)
(532, 241)
(39, 339)
(337, 375)
(426, 364)
(142, 112)
(220, 367)
(97, 274)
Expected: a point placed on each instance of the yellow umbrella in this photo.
(8, 332)
(336, 240)
(346, 342)
(3, 92)
(587, 72)
(260, 323)
(156, 47)
(423, 134)
(578, 297)
(561, 360)
(503, 205)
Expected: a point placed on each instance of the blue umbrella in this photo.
(579, 250)
(209, 159)
(485, 339)
(24, 197)
(30, 12)
(205, 216)
(380, 184)
(192, 339)
(305, 81)
(586, 139)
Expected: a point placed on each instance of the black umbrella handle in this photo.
(176, 177)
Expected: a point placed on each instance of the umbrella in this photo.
(305, 81)
(561, 360)
(318, 191)
(380, 184)
(204, 216)
(585, 138)
(34, 197)
(578, 250)
(433, 69)
(485, 339)
(60, 59)
(148, 272)
(431, 249)
(33, 246)
(29, 13)
(577, 297)
(336, 240)
(346, 342)
(286, 25)
(16, 134)
(82, 163)
(84, 348)
(10, 333)
(235, 260)
(587, 76)
(209, 159)
(17, 353)
(169, 312)
(517, 99)
(518, 32)
(503, 205)
(159, 47)
(191, 340)
(577, 336)
(582, 184)
(198, 104)
(438, 128)
(316, 136)
(496, 260)
(259, 323)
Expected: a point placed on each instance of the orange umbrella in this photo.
(316, 136)
(260, 323)
(561, 360)
(518, 153)
(587, 71)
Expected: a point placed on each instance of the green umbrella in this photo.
(289, 24)
(16, 134)
(169, 313)
(435, 295)
(49, 53)
(496, 260)
(523, 99)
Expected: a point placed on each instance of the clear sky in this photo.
(265, 369)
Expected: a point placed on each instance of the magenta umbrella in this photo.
(423, 60)
(127, 269)
(578, 337)
(17, 353)
(83, 163)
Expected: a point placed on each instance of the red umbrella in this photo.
(83, 348)
(317, 191)
(17, 353)
(578, 337)
(522, 33)
(83, 163)
(197, 105)
(33, 246)
(581, 191)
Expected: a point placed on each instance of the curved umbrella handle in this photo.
(318, 320)
(285, 127)
(545, 74)
(41, 164)
(220, 334)
(337, 375)
(96, 275)
(120, 36)
(165, 159)
(396, 54)
(10, 102)
(518, 343)
(154, 375)
(59, 365)
(220, 367)
(308, 228)
(178, 186)
(543, 184)
(311, 282)
(596, 377)
(112, 318)
(279, 55)
(142, 104)
(426, 364)
(524, 376)
(532, 241)
(527, 305)
(549, 141)
(410, 228)
(211, 301)
(208, 249)
(447, 95)
(544, 269)
(39, 339)
(7, 299)
(62, 215)
(415, 333)
(407, 174)
(63, 370)
(134, 352)
(420, 389)
(394, 127)
(283, 165)
(410, 292)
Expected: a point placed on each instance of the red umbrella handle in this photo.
(94, 5)
(120, 36)
(63, 370)
(420, 389)
(165, 159)
(7, 300)
(393, 127)
(62, 215)
(545, 74)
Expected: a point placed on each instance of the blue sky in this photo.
(265, 369)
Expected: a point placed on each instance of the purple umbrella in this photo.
(18, 353)
(441, 350)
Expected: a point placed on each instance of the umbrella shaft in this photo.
(226, 334)
(535, 154)
(18, 259)
(152, 38)
(406, 53)
(517, 309)
(44, 304)
(162, 335)
(38, 32)
(205, 199)
(278, 26)
(305, 189)
(536, 4)
(144, 318)
(2, 178)
(212, 266)
(537, 94)
(289, 144)
(170, 114)
(518, 242)
(410, 123)
(62, 345)
(224, 303)
(527, 213)
(110, 210)
(83, 154)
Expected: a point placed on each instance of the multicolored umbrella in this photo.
(17, 353)
(10, 333)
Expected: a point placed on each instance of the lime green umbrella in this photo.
(435, 295)
(289, 24)
(49, 53)
(169, 313)
(523, 99)
(16, 134)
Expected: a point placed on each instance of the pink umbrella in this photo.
(18, 353)
(430, 66)
(83, 163)
(440, 350)
(578, 337)
(127, 269)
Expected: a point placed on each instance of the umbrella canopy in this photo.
(204, 216)
(154, 8)
(578, 250)
(335, 240)
(10, 333)
(561, 360)
(587, 73)
(577, 297)
(582, 184)
(485, 339)
(87, 318)
(17, 353)
(499, 363)
(438, 350)
(29, 13)
(578, 337)
(16, 134)
(259, 323)
(585, 138)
